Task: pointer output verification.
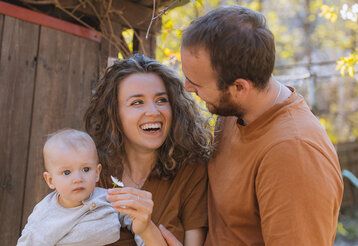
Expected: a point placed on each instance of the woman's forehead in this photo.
(141, 84)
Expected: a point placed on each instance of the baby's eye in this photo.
(66, 172)
(86, 169)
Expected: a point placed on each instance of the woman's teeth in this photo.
(151, 126)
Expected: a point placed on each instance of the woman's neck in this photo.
(138, 163)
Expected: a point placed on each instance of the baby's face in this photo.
(73, 173)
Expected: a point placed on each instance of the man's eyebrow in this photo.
(191, 82)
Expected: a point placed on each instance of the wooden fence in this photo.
(48, 68)
(348, 158)
(45, 85)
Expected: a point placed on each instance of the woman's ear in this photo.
(48, 178)
(98, 171)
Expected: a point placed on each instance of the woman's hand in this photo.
(138, 204)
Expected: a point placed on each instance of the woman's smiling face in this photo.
(144, 111)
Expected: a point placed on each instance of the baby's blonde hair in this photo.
(70, 138)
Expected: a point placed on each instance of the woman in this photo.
(150, 134)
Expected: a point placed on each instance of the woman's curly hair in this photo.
(189, 139)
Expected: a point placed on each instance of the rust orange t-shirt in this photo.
(275, 181)
(180, 204)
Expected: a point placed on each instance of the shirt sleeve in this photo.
(299, 191)
(194, 210)
(34, 233)
(29, 237)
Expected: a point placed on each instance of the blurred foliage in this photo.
(306, 31)
(329, 129)
(341, 230)
(346, 65)
(329, 12)
(347, 228)
(176, 20)
(128, 38)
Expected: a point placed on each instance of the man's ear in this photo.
(240, 88)
(98, 171)
(48, 178)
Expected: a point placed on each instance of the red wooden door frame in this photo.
(48, 21)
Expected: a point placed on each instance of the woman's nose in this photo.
(152, 109)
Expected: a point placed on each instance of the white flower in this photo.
(117, 182)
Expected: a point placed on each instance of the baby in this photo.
(76, 212)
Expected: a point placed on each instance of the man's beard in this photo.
(225, 107)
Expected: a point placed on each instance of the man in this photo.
(275, 178)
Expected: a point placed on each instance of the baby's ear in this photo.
(98, 171)
(48, 179)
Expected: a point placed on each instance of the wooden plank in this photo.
(17, 76)
(1, 27)
(67, 66)
(48, 21)
(163, 3)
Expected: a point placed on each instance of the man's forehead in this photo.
(196, 51)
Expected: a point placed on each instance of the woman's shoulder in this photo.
(191, 173)
(187, 176)
(196, 169)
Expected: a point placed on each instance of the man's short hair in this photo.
(239, 44)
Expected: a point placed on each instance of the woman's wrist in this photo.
(152, 236)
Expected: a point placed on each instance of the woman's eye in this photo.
(86, 169)
(162, 100)
(66, 172)
(136, 102)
